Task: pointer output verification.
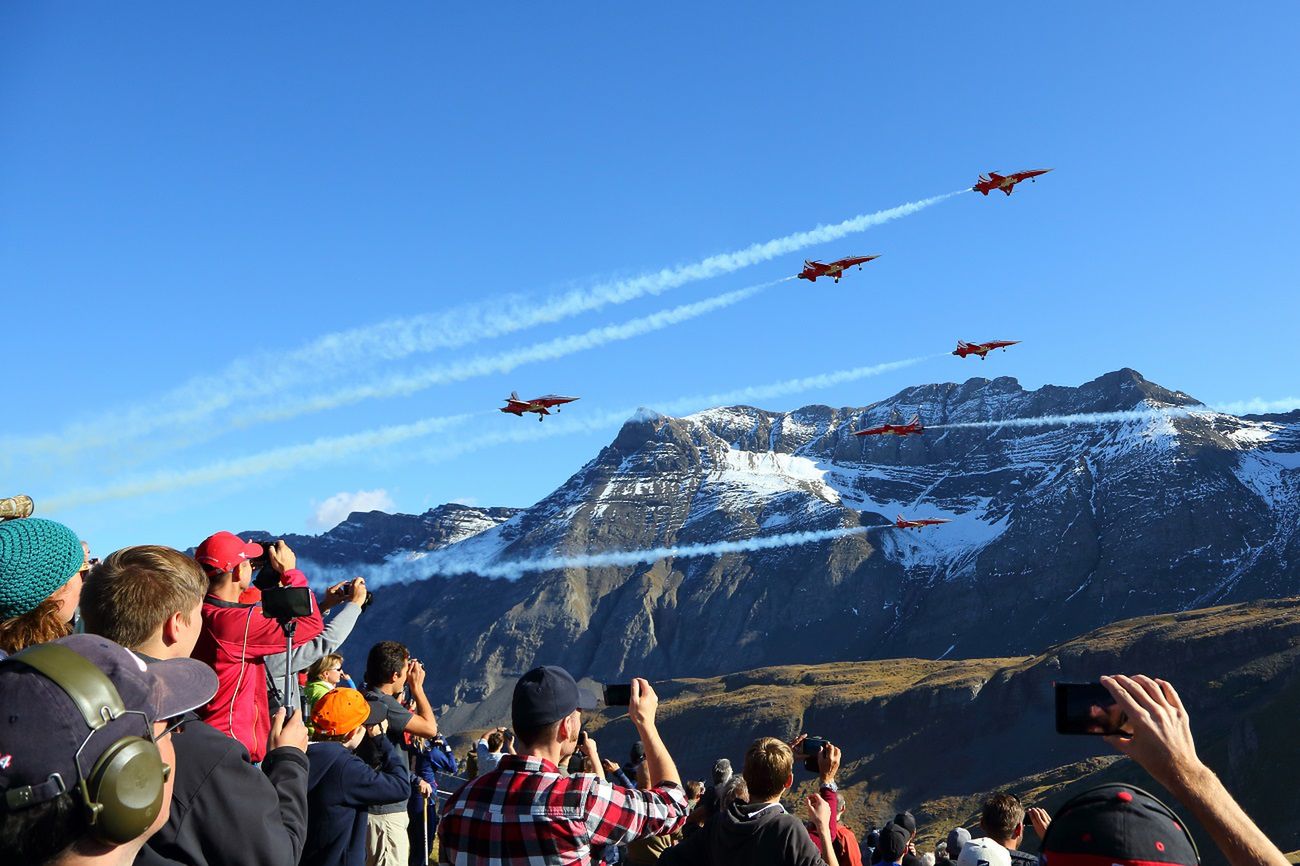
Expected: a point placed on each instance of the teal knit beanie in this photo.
(37, 556)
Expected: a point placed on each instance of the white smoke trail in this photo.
(450, 562)
(789, 386)
(313, 453)
(503, 362)
(1257, 406)
(588, 423)
(1070, 420)
(327, 450)
(206, 397)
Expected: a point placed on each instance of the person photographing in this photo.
(526, 811)
(237, 636)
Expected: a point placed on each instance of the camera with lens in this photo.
(351, 590)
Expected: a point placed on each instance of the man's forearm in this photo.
(828, 845)
(1242, 843)
(658, 762)
(423, 708)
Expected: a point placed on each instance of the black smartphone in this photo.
(812, 748)
(618, 694)
(1087, 708)
(286, 602)
(582, 739)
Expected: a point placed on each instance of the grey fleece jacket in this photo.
(336, 631)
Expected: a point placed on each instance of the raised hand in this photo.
(1040, 820)
(281, 556)
(1161, 741)
(643, 706)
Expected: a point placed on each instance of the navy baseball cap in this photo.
(545, 695)
(41, 727)
(906, 821)
(893, 843)
(1117, 824)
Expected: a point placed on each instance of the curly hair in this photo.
(41, 624)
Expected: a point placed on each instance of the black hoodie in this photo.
(759, 835)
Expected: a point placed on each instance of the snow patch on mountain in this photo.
(748, 476)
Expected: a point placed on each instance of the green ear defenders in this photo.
(123, 792)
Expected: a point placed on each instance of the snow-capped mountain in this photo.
(371, 537)
(1056, 529)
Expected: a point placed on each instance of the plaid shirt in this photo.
(526, 812)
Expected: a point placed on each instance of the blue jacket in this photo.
(440, 761)
(339, 788)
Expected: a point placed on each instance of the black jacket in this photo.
(759, 835)
(225, 810)
(342, 786)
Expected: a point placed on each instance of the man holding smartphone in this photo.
(526, 811)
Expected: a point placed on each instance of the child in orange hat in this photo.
(340, 786)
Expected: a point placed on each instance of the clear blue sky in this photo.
(184, 188)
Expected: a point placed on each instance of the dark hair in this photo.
(1001, 816)
(386, 660)
(528, 737)
(694, 790)
(38, 834)
(495, 740)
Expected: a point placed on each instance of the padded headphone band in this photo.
(123, 792)
(89, 688)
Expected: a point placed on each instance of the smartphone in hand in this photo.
(1088, 709)
(618, 694)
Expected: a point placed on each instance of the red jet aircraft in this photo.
(997, 181)
(913, 426)
(964, 349)
(540, 405)
(812, 270)
(904, 523)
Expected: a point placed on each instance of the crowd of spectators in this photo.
(155, 711)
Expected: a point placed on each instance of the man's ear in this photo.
(172, 626)
(569, 725)
(789, 780)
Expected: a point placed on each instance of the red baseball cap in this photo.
(225, 550)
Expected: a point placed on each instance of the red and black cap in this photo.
(1117, 824)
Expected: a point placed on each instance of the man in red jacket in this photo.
(237, 637)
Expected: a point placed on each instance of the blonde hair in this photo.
(767, 767)
(323, 664)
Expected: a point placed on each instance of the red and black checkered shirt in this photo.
(526, 812)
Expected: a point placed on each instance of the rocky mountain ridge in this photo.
(1056, 529)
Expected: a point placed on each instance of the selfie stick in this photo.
(428, 843)
(289, 628)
